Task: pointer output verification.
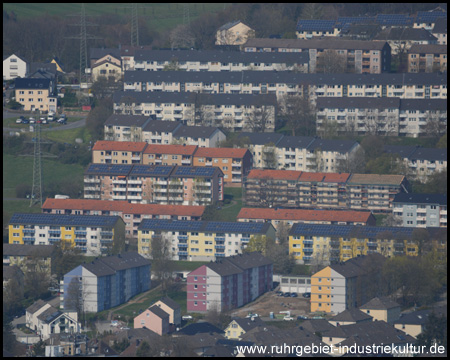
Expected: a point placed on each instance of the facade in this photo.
(382, 309)
(118, 152)
(93, 235)
(239, 326)
(440, 31)
(229, 283)
(200, 240)
(216, 60)
(201, 136)
(234, 163)
(172, 308)
(413, 323)
(356, 56)
(259, 144)
(234, 33)
(36, 94)
(125, 127)
(343, 286)
(154, 319)
(160, 132)
(131, 214)
(311, 243)
(155, 184)
(14, 66)
(36, 258)
(421, 210)
(106, 282)
(427, 58)
(291, 216)
(170, 155)
(108, 68)
(401, 39)
(297, 284)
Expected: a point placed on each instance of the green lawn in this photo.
(380, 218)
(68, 136)
(188, 265)
(230, 211)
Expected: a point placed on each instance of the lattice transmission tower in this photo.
(36, 190)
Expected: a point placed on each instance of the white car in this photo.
(32, 120)
(251, 316)
(288, 318)
(19, 121)
(187, 317)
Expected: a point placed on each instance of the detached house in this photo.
(154, 319)
(14, 66)
(234, 33)
(36, 94)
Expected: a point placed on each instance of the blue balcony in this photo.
(182, 253)
(372, 244)
(80, 241)
(183, 245)
(83, 248)
(308, 242)
(245, 239)
(106, 241)
(53, 240)
(28, 231)
(308, 250)
(220, 255)
(219, 238)
(106, 233)
(183, 237)
(29, 239)
(55, 234)
(80, 232)
(307, 258)
(219, 246)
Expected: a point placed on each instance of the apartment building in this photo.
(421, 210)
(169, 155)
(291, 216)
(232, 111)
(229, 283)
(107, 67)
(160, 131)
(36, 94)
(427, 58)
(234, 33)
(200, 240)
(440, 31)
(405, 85)
(420, 162)
(345, 285)
(14, 66)
(316, 243)
(381, 116)
(382, 309)
(124, 55)
(428, 19)
(201, 136)
(217, 60)
(93, 235)
(118, 152)
(401, 39)
(234, 163)
(125, 127)
(258, 144)
(157, 184)
(307, 29)
(131, 214)
(358, 56)
(107, 282)
(35, 258)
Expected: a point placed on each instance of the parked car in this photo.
(25, 121)
(287, 294)
(294, 294)
(32, 120)
(44, 121)
(62, 121)
(279, 293)
(19, 121)
(306, 295)
(252, 316)
(302, 317)
(288, 318)
(186, 317)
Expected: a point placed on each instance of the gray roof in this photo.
(200, 328)
(26, 250)
(261, 138)
(429, 154)
(238, 263)
(405, 33)
(35, 306)
(341, 146)
(402, 151)
(49, 314)
(195, 131)
(159, 312)
(419, 317)
(298, 142)
(356, 266)
(221, 56)
(161, 126)
(319, 325)
(111, 264)
(357, 102)
(428, 49)
(127, 120)
(97, 53)
(47, 67)
(440, 27)
(170, 303)
(32, 83)
(411, 198)
(249, 323)
(327, 43)
(380, 303)
(353, 314)
(229, 25)
(224, 268)
(423, 104)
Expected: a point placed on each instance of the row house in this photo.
(217, 60)
(309, 243)
(154, 184)
(440, 31)
(36, 94)
(382, 116)
(405, 86)
(200, 240)
(233, 111)
(92, 235)
(14, 66)
(106, 282)
(400, 40)
(421, 210)
(170, 155)
(229, 283)
(322, 190)
(419, 162)
(355, 56)
(118, 152)
(234, 163)
(289, 217)
(131, 214)
(427, 58)
(29, 258)
(428, 19)
(125, 54)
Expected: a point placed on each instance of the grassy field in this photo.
(229, 212)
(11, 122)
(188, 265)
(68, 136)
(159, 16)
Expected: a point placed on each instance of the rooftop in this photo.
(159, 312)
(64, 220)
(221, 152)
(380, 303)
(109, 265)
(274, 174)
(353, 314)
(412, 198)
(27, 250)
(427, 49)
(171, 149)
(376, 179)
(127, 120)
(102, 145)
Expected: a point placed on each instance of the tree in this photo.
(145, 350)
(312, 11)
(373, 146)
(260, 119)
(392, 220)
(259, 243)
(181, 37)
(442, 143)
(120, 346)
(299, 115)
(269, 156)
(39, 348)
(283, 229)
(421, 238)
(355, 163)
(330, 62)
(384, 164)
(435, 331)
(161, 253)
(329, 129)
(320, 259)
(172, 66)
(65, 259)
(37, 282)
(97, 117)
(436, 126)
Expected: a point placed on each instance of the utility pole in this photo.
(134, 25)
(36, 190)
(186, 16)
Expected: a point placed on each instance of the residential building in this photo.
(36, 94)
(307, 29)
(440, 31)
(166, 185)
(171, 155)
(229, 283)
(400, 40)
(124, 55)
(118, 152)
(14, 66)
(427, 58)
(234, 163)
(428, 19)
(33, 311)
(298, 284)
(201, 136)
(289, 217)
(345, 285)
(155, 319)
(106, 282)
(131, 214)
(29, 258)
(217, 60)
(76, 344)
(125, 127)
(356, 56)
(40, 70)
(172, 308)
(421, 210)
(200, 240)
(239, 326)
(234, 33)
(382, 309)
(414, 323)
(350, 317)
(109, 68)
(310, 243)
(160, 132)
(93, 235)
(258, 144)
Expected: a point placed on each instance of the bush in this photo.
(22, 190)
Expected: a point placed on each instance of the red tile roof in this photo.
(306, 215)
(221, 152)
(336, 177)
(123, 206)
(311, 176)
(119, 146)
(171, 149)
(274, 174)
(376, 179)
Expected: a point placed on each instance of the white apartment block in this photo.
(14, 66)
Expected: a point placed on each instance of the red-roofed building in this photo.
(291, 216)
(118, 152)
(169, 154)
(132, 214)
(235, 163)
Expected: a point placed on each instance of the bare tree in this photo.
(320, 258)
(261, 119)
(181, 37)
(392, 220)
(283, 229)
(329, 62)
(162, 255)
(436, 126)
(355, 163)
(299, 114)
(269, 156)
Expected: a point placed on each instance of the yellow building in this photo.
(29, 257)
(382, 309)
(234, 33)
(36, 94)
(109, 67)
(238, 327)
